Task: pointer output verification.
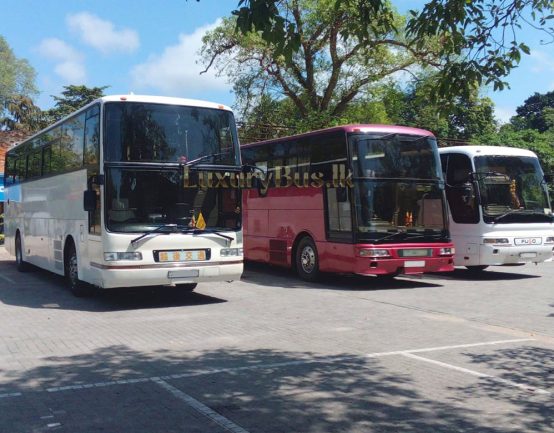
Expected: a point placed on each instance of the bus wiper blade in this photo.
(391, 236)
(204, 158)
(165, 230)
(511, 211)
(213, 231)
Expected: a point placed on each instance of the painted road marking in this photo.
(200, 407)
(478, 374)
(8, 279)
(323, 360)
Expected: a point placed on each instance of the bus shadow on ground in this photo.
(490, 274)
(273, 276)
(43, 289)
(274, 391)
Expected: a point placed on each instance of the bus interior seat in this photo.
(120, 210)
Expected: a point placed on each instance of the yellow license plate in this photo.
(182, 256)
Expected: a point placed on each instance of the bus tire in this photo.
(307, 260)
(22, 265)
(477, 268)
(188, 287)
(79, 288)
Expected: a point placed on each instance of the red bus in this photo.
(358, 199)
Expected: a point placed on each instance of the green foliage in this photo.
(537, 112)
(478, 38)
(17, 77)
(22, 115)
(73, 98)
(335, 70)
(542, 143)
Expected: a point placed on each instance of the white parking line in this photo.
(200, 407)
(478, 374)
(322, 360)
(8, 279)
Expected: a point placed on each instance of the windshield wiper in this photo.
(519, 210)
(177, 228)
(205, 157)
(161, 230)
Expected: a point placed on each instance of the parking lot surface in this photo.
(452, 352)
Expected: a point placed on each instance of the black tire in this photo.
(79, 288)
(188, 287)
(22, 265)
(477, 269)
(307, 260)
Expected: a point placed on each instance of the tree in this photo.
(17, 77)
(74, 97)
(332, 68)
(535, 113)
(479, 43)
(22, 115)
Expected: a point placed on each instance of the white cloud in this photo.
(101, 34)
(69, 62)
(504, 114)
(543, 62)
(175, 71)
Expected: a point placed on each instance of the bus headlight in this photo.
(449, 251)
(228, 252)
(549, 240)
(496, 241)
(112, 257)
(374, 252)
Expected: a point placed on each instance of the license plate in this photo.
(528, 255)
(528, 241)
(182, 256)
(419, 252)
(186, 273)
(414, 264)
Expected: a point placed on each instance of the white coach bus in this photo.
(500, 212)
(112, 195)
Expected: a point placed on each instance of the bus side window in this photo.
(73, 132)
(460, 191)
(92, 137)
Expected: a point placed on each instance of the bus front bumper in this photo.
(113, 276)
(403, 266)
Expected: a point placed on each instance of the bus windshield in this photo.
(387, 206)
(139, 200)
(148, 132)
(395, 156)
(511, 187)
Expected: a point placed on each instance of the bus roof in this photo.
(472, 151)
(363, 128)
(163, 100)
(134, 98)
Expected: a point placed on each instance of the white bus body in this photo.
(131, 162)
(500, 212)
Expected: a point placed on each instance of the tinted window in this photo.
(71, 145)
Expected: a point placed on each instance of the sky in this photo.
(148, 47)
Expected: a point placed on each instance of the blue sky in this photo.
(150, 47)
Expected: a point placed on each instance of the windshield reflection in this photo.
(139, 200)
(510, 183)
(168, 133)
(384, 206)
(395, 156)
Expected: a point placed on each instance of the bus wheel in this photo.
(77, 287)
(307, 261)
(22, 265)
(188, 287)
(479, 268)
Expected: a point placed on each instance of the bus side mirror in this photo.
(89, 200)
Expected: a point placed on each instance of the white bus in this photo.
(500, 212)
(112, 196)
